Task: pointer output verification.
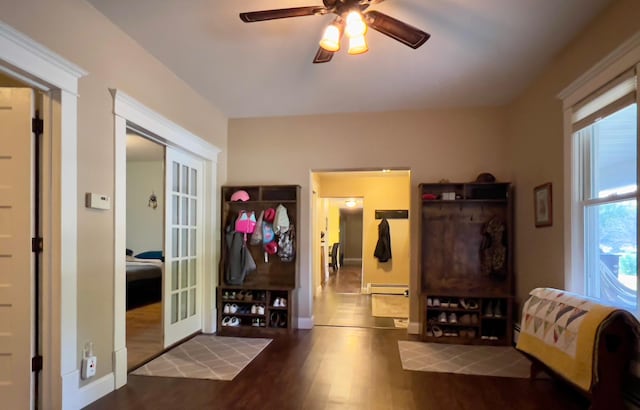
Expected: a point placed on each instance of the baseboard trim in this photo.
(74, 398)
(413, 328)
(390, 289)
(120, 366)
(318, 290)
(305, 323)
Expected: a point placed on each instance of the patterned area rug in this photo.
(501, 361)
(206, 357)
(396, 306)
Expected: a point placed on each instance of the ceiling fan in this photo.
(351, 19)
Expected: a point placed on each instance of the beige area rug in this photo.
(206, 357)
(396, 306)
(501, 361)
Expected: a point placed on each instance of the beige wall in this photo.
(456, 144)
(536, 133)
(79, 33)
(378, 192)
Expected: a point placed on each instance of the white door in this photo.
(16, 259)
(183, 246)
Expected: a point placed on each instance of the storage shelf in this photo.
(457, 259)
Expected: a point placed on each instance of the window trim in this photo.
(623, 58)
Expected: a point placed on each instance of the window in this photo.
(605, 140)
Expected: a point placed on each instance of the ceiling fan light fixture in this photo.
(358, 45)
(355, 25)
(331, 38)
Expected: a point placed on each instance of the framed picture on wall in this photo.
(543, 205)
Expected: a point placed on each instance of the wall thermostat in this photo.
(97, 201)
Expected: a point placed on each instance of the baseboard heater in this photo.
(388, 289)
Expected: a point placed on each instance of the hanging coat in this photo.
(383, 247)
(239, 261)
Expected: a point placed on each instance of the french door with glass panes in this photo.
(183, 246)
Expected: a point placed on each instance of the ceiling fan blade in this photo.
(322, 56)
(254, 16)
(396, 29)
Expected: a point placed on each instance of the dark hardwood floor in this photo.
(346, 362)
(347, 279)
(339, 368)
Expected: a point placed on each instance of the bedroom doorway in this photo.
(145, 213)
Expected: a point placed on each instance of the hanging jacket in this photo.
(383, 247)
(239, 261)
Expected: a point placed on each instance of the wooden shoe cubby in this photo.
(273, 277)
(466, 253)
(478, 323)
(230, 295)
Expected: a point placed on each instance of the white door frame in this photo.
(129, 111)
(43, 69)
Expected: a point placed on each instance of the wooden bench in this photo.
(612, 351)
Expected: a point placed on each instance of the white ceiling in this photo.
(480, 53)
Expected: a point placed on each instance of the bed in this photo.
(144, 281)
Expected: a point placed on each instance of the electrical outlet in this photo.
(89, 364)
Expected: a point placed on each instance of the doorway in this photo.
(145, 245)
(349, 280)
(190, 190)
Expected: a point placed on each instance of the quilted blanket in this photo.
(562, 330)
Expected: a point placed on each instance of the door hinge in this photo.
(36, 363)
(37, 126)
(36, 245)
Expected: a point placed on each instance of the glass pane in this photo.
(192, 302)
(185, 242)
(192, 272)
(192, 242)
(183, 305)
(175, 219)
(193, 215)
(613, 154)
(184, 270)
(185, 211)
(174, 308)
(611, 253)
(176, 242)
(175, 187)
(185, 180)
(174, 275)
(194, 182)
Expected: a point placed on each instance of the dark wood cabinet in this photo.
(265, 301)
(466, 263)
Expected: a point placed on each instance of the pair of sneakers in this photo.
(452, 318)
(493, 309)
(280, 302)
(231, 321)
(257, 309)
(230, 308)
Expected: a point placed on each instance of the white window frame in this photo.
(626, 56)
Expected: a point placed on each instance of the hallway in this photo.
(341, 304)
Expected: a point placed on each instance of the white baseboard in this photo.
(305, 323)
(120, 366)
(413, 328)
(74, 398)
(392, 289)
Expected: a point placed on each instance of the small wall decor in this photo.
(543, 205)
(153, 201)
